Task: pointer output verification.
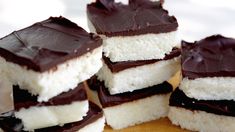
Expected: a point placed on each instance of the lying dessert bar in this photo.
(55, 50)
(65, 108)
(131, 108)
(141, 30)
(208, 68)
(120, 77)
(93, 122)
(201, 115)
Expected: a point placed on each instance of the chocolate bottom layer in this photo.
(219, 107)
(10, 124)
(23, 99)
(119, 66)
(108, 100)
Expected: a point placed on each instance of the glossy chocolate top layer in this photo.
(23, 99)
(209, 57)
(119, 66)
(108, 100)
(138, 17)
(46, 44)
(221, 107)
(10, 124)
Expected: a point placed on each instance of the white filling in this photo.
(97, 126)
(51, 83)
(209, 88)
(137, 112)
(138, 77)
(139, 47)
(201, 121)
(46, 116)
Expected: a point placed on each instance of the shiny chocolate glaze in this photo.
(44, 45)
(119, 66)
(138, 17)
(108, 100)
(219, 107)
(23, 99)
(209, 57)
(10, 124)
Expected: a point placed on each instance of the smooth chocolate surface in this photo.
(46, 44)
(10, 124)
(138, 17)
(119, 66)
(108, 100)
(23, 99)
(219, 107)
(209, 57)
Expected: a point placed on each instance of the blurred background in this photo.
(197, 18)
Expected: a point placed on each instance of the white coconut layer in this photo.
(200, 120)
(46, 116)
(138, 77)
(209, 88)
(51, 83)
(97, 126)
(137, 112)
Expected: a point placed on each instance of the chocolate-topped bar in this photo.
(67, 107)
(10, 124)
(209, 57)
(23, 99)
(50, 51)
(219, 107)
(138, 17)
(108, 100)
(119, 66)
(46, 44)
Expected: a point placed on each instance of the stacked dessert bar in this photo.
(139, 55)
(205, 98)
(47, 64)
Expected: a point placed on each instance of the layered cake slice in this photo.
(93, 122)
(65, 108)
(201, 115)
(120, 77)
(204, 100)
(208, 68)
(131, 108)
(140, 30)
(50, 57)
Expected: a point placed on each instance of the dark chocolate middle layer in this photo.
(119, 66)
(138, 17)
(10, 124)
(210, 57)
(219, 107)
(108, 100)
(23, 99)
(44, 45)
